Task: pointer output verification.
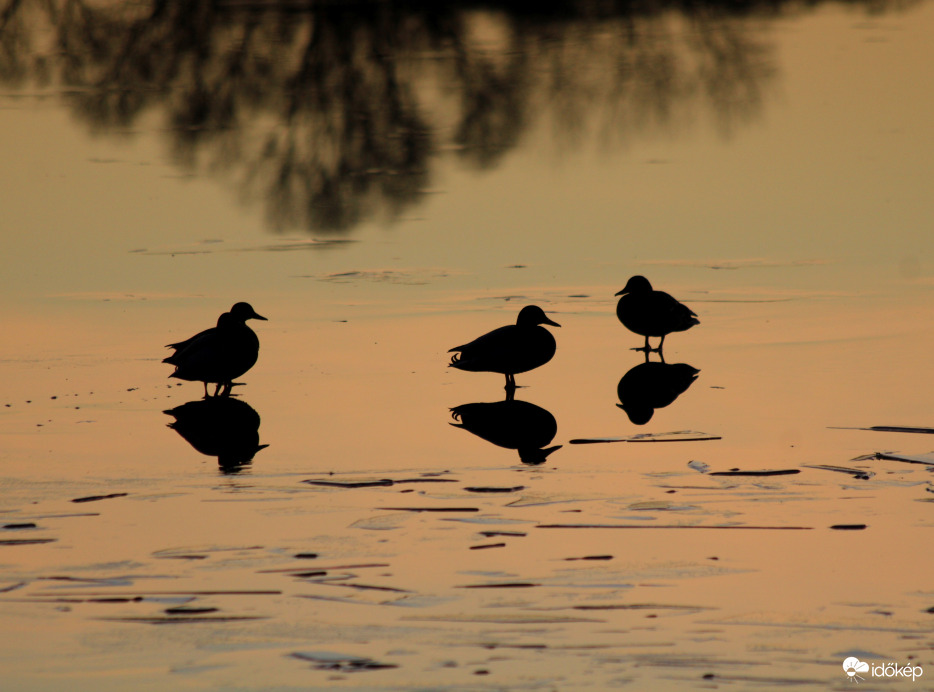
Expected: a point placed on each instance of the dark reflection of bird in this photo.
(512, 424)
(652, 313)
(221, 427)
(220, 354)
(509, 350)
(651, 385)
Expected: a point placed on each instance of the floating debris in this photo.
(925, 459)
(184, 619)
(678, 436)
(189, 610)
(859, 474)
(427, 479)
(95, 498)
(19, 526)
(329, 568)
(590, 557)
(360, 587)
(672, 526)
(503, 619)
(325, 660)
(737, 472)
(382, 482)
(26, 541)
(487, 545)
(643, 606)
(429, 509)
(479, 489)
(143, 594)
(890, 428)
(116, 599)
(848, 527)
(352, 484)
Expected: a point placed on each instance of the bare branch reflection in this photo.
(331, 114)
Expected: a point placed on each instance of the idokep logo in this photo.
(852, 666)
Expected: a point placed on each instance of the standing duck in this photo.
(512, 349)
(220, 354)
(652, 313)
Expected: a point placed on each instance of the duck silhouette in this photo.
(219, 354)
(652, 385)
(648, 312)
(510, 424)
(219, 427)
(509, 350)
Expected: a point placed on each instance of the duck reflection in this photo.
(220, 427)
(511, 424)
(652, 385)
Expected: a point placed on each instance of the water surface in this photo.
(386, 183)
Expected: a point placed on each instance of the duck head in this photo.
(244, 312)
(637, 284)
(532, 315)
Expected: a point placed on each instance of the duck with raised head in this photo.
(648, 312)
(509, 350)
(219, 354)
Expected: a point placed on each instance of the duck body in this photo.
(220, 354)
(509, 350)
(648, 312)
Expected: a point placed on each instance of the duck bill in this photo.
(551, 322)
(621, 293)
(257, 316)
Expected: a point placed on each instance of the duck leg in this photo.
(217, 388)
(660, 344)
(647, 348)
(510, 383)
(205, 389)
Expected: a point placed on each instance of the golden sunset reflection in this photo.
(384, 185)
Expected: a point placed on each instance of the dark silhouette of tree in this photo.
(331, 113)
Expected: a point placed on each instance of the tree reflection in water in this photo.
(330, 113)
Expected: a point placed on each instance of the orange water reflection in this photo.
(422, 587)
(424, 556)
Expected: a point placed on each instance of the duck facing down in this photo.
(511, 424)
(509, 350)
(648, 312)
(220, 354)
